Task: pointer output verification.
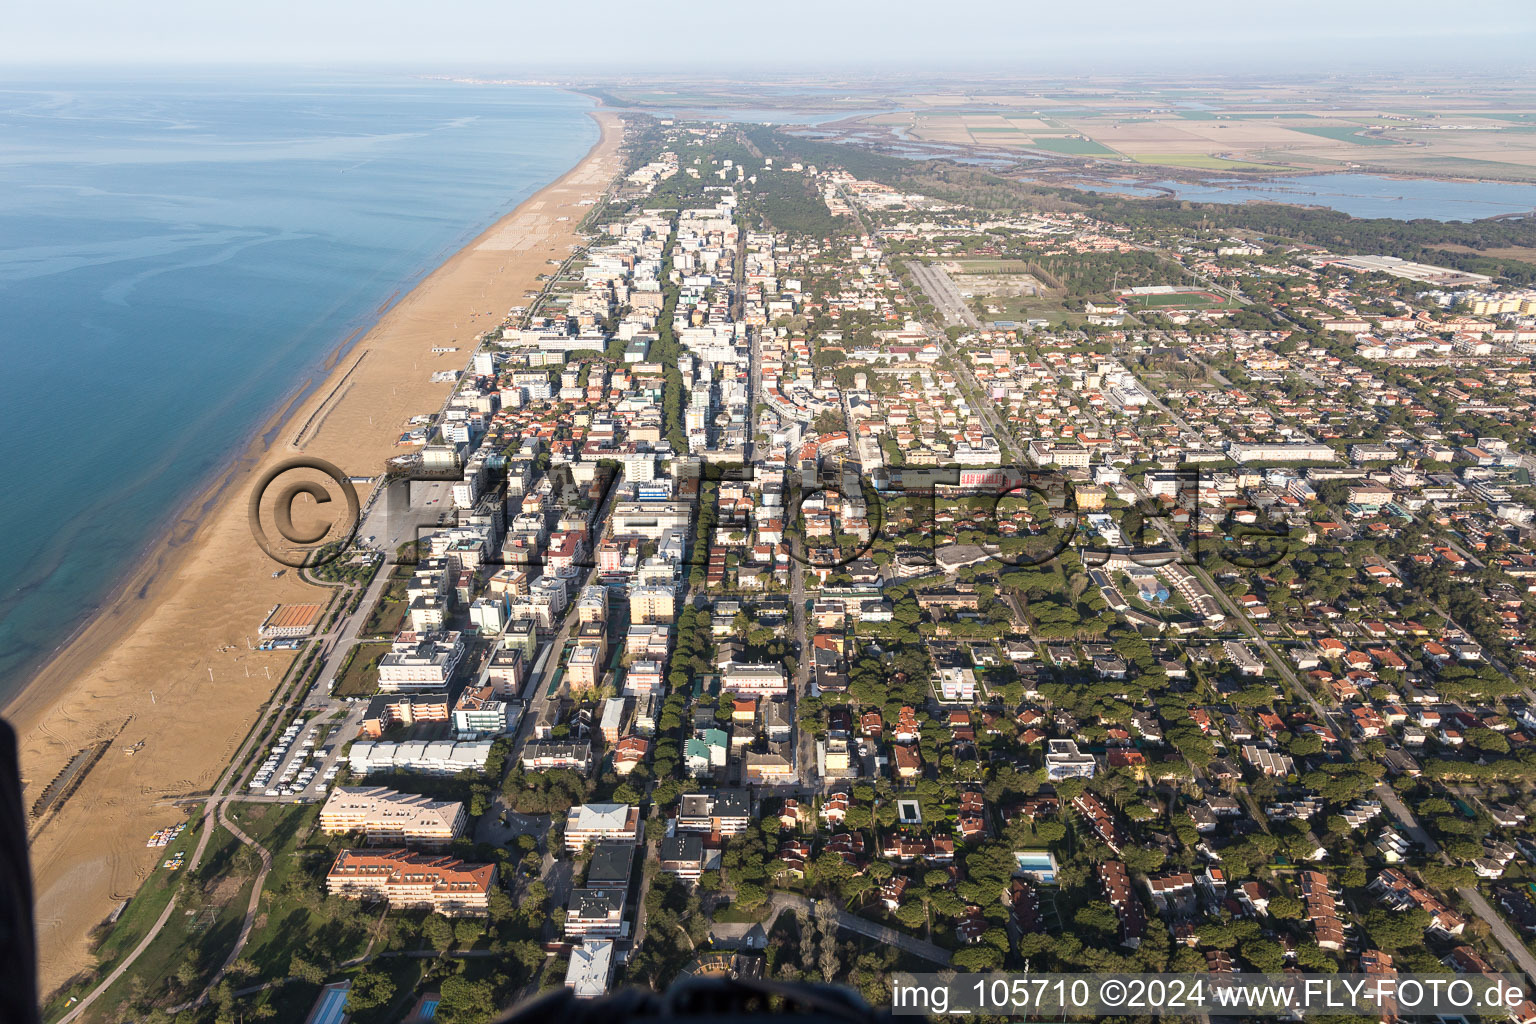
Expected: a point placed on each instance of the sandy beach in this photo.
(178, 628)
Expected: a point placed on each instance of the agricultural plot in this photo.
(1265, 129)
(1345, 133)
(1030, 124)
(1201, 162)
(1073, 147)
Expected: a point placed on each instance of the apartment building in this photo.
(683, 855)
(589, 972)
(585, 667)
(724, 812)
(653, 605)
(384, 713)
(417, 881)
(387, 815)
(650, 519)
(611, 865)
(594, 822)
(1289, 451)
(754, 680)
(1116, 883)
(542, 755)
(479, 712)
(596, 913)
(420, 661)
(1064, 761)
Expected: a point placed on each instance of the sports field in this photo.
(1175, 300)
(991, 267)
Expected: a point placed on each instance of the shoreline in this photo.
(238, 458)
(174, 622)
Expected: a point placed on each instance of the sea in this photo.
(177, 256)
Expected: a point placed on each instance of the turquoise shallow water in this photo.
(177, 256)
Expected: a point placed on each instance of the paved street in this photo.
(1502, 932)
(941, 291)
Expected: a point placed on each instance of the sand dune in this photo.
(179, 628)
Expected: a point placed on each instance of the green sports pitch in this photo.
(1174, 300)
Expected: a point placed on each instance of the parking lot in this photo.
(306, 757)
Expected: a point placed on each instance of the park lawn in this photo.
(1073, 147)
(730, 913)
(202, 930)
(1026, 307)
(278, 827)
(284, 924)
(1521, 253)
(360, 676)
(143, 909)
(389, 612)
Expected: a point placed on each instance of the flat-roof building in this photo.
(754, 680)
(611, 865)
(722, 812)
(586, 823)
(597, 912)
(387, 815)
(1064, 761)
(420, 661)
(590, 970)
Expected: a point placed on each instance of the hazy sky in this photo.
(608, 36)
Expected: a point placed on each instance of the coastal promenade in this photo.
(181, 627)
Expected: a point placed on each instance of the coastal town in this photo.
(837, 568)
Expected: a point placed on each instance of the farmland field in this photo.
(1073, 147)
(1200, 161)
(1265, 128)
(1509, 253)
(1345, 133)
